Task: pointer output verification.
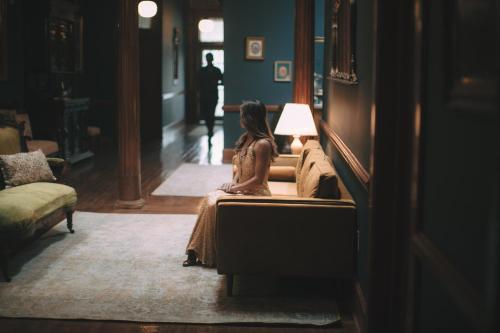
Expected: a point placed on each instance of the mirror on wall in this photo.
(343, 32)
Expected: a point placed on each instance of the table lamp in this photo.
(296, 120)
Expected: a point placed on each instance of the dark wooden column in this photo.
(129, 144)
(304, 53)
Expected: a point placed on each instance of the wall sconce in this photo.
(147, 9)
(206, 25)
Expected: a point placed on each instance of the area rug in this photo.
(195, 180)
(127, 267)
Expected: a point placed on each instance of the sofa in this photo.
(306, 228)
(28, 210)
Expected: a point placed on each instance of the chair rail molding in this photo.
(347, 155)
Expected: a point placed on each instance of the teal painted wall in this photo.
(245, 79)
(348, 112)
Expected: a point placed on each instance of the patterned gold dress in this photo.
(202, 240)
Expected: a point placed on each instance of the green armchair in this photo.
(26, 211)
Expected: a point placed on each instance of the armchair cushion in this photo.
(38, 200)
(25, 168)
(10, 141)
(46, 146)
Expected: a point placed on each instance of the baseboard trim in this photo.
(227, 155)
(236, 107)
(359, 308)
(347, 155)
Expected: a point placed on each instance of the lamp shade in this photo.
(296, 119)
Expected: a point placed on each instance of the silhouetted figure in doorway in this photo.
(210, 76)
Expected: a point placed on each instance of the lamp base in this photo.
(296, 145)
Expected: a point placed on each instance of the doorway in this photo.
(219, 63)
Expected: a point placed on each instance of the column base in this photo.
(134, 204)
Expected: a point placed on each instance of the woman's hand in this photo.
(226, 187)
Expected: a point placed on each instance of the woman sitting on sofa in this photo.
(255, 150)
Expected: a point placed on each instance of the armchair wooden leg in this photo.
(229, 284)
(4, 262)
(69, 219)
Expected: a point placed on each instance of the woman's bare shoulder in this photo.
(262, 146)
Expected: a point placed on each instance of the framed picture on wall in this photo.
(282, 71)
(254, 48)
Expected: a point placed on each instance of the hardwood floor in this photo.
(96, 184)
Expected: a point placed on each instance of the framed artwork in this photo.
(343, 46)
(254, 48)
(61, 45)
(4, 49)
(282, 71)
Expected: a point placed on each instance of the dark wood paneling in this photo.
(347, 155)
(128, 106)
(465, 296)
(303, 91)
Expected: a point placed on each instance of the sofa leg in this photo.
(229, 284)
(4, 262)
(69, 219)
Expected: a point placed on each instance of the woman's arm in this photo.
(262, 149)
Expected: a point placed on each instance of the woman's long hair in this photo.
(254, 118)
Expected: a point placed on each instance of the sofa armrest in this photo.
(286, 160)
(59, 166)
(277, 199)
(285, 237)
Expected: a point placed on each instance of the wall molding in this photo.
(170, 95)
(236, 107)
(465, 296)
(347, 155)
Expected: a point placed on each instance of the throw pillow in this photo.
(25, 168)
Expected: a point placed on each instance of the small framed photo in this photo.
(254, 48)
(282, 71)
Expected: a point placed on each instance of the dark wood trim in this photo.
(129, 142)
(392, 121)
(303, 65)
(347, 155)
(359, 307)
(227, 155)
(236, 107)
(466, 297)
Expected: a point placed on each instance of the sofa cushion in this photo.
(22, 206)
(25, 168)
(282, 173)
(283, 188)
(309, 146)
(321, 181)
(313, 156)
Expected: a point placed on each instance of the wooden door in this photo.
(435, 253)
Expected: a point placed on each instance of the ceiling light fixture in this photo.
(206, 25)
(147, 9)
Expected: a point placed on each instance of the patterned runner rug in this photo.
(195, 180)
(128, 267)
